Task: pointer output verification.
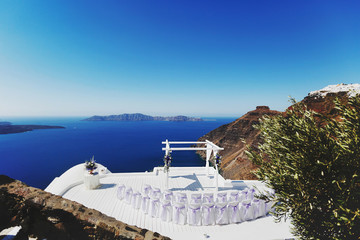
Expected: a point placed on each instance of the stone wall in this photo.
(44, 215)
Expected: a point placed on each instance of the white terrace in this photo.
(188, 180)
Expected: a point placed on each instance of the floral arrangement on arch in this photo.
(217, 160)
(167, 162)
(91, 165)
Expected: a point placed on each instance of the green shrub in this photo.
(313, 162)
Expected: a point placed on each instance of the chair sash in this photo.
(208, 213)
(195, 198)
(121, 192)
(181, 198)
(168, 195)
(128, 195)
(234, 196)
(166, 211)
(251, 193)
(145, 203)
(154, 207)
(234, 212)
(147, 189)
(179, 213)
(136, 200)
(194, 214)
(222, 197)
(221, 214)
(156, 193)
(208, 198)
(243, 195)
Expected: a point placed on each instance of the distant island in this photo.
(141, 117)
(7, 128)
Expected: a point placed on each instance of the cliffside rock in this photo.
(47, 216)
(235, 164)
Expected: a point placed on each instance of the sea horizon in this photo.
(38, 156)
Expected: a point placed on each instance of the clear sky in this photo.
(169, 57)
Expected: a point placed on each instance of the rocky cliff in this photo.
(235, 164)
(46, 216)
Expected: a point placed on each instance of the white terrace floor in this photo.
(185, 179)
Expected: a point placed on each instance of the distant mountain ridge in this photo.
(141, 117)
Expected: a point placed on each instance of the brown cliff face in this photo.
(235, 164)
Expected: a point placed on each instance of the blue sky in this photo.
(161, 57)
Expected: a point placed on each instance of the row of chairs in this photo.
(198, 209)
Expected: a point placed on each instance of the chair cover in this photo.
(208, 198)
(208, 214)
(234, 196)
(221, 197)
(181, 197)
(195, 198)
(145, 203)
(194, 214)
(154, 207)
(136, 200)
(259, 207)
(166, 211)
(179, 213)
(146, 189)
(156, 193)
(168, 195)
(243, 195)
(234, 212)
(250, 195)
(128, 195)
(221, 213)
(248, 210)
(121, 192)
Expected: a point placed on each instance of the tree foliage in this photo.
(313, 162)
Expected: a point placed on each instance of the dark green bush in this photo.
(313, 164)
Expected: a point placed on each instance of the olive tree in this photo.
(313, 163)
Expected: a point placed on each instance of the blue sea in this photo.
(38, 156)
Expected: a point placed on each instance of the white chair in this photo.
(136, 200)
(145, 203)
(221, 213)
(121, 192)
(221, 197)
(234, 196)
(168, 195)
(251, 193)
(154, 207)
(208, 214)
(234, 212)
(243, 195)
(208, 198)
(195, 198)
(165, 211)
(156, 193)
(181, 197)
(179, 213)
(248, 210)
(194, 214)
(128, 195)
(259, 207)
(146, 189)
